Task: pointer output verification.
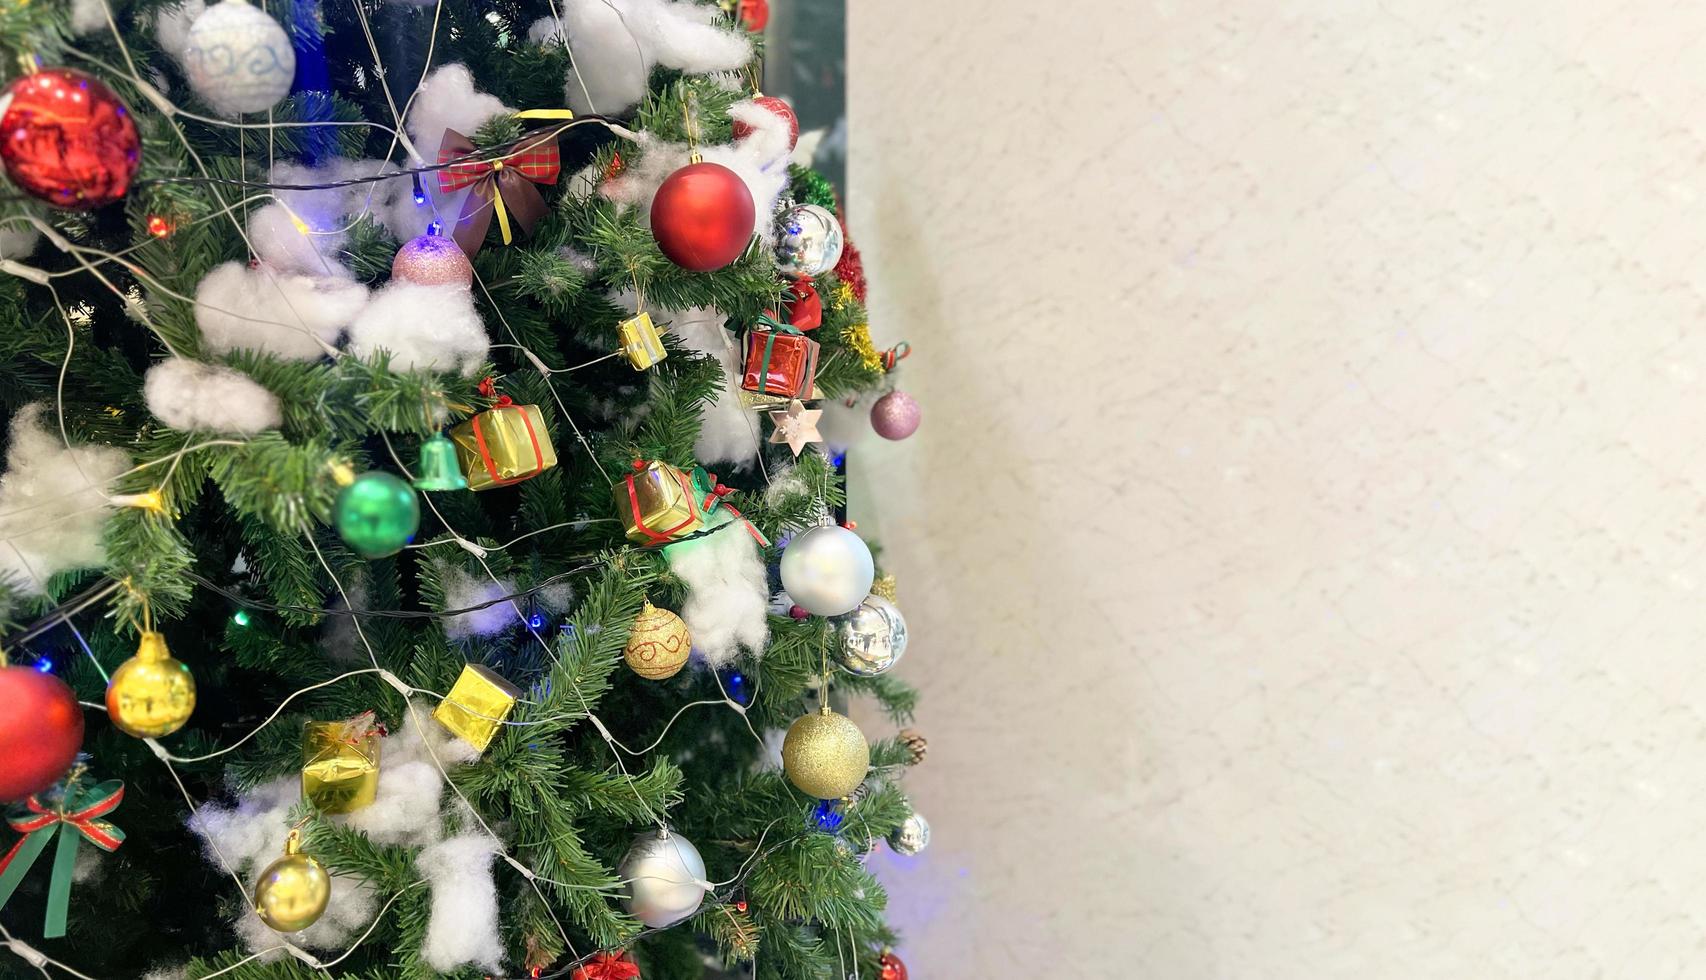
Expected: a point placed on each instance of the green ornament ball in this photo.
(377, 515)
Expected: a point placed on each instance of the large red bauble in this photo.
(892, 967)
(780, 108)
(702, 216)
(41, 729)
(68, 140)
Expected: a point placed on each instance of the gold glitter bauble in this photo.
(825, 755)
(293, 890)
(658, 644)
(152, 694)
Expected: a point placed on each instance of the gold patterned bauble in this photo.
(658, 644)
(825, 754)
(153, 693)
(293, 890)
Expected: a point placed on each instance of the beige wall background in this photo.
(1304, 547)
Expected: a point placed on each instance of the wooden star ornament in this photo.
(796, 425)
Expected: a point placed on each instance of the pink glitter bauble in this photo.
(896, 415)
(432, 260)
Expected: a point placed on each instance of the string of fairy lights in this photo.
(89, 260)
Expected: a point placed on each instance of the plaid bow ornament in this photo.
(78, 809)
(503, 185)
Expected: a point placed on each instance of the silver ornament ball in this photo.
(827, 570)
(912, 836)
(665, 878)
(238, 59)
(808, 241)
(870, 639)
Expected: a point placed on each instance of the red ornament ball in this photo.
(754, 15)
(777, 107)
(67, 139)
(607, 966)
(702, 216)
(891, 966)
(41, 729)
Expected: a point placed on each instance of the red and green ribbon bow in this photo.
(79, 810)
(502, 185)
(712, 495)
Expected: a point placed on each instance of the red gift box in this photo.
(780, 362)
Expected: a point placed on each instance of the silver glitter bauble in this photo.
(827, 570)
(238, 59)
(870, 639)
(808, 241)
(912, 836)
(665, 877)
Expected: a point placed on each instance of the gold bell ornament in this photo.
(153, 693)
(293, 890)
(658, 644)
(438, 469)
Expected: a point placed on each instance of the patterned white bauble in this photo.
(238, 59)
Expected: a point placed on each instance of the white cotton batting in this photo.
(310, 249)
(88, 16)
(18, 243)
(786, 484)
(339, 638)
(52, 502)
(616, 43)
(189, 395)
(462, 590)
(463, 928)
(434, 328)
(447, 99)
(391, 201)
(727, 592)
(557, 598)
(172, 26)
(768, 142)
(729, 432)
(167, 973)
(265, 309)
(752, 159)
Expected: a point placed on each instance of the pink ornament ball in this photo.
(896, 415)
(433, 260)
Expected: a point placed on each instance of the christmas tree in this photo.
(396, 393)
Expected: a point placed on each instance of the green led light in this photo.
(241, 618)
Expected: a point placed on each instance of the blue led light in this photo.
(827, 816)
(434, 228)
(736, 683)
(537, 621)
(44, 665)
(838, 459)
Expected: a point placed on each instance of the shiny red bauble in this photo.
(67, 139)
(754, 14)
(41, 729)
(607, 966)
(778, 107)
(892, 967)
(702, 216)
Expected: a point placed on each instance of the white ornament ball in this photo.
(808, 241)
(238, 59)
(827, 570)
(665, 877)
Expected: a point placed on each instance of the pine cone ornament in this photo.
(915, 744)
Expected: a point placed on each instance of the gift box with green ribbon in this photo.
(73, 810)
(780, 360)
(659, 503)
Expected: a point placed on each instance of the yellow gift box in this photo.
(657, 504)
(477, 705)
(340, 763)
(505, 444)
(641, 342)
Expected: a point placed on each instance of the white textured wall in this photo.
(1305, 544)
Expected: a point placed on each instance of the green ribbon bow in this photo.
(79, 809)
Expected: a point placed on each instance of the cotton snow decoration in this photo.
(727, 592)
(409, 809)
(52, 502)
(291, 243)
(391, 202)
(295, 317)
(615, 44)
(172, 26)
(17, 243)
(426, 327)
(463, 928)
(728, 432)
(463, 591)
(189, 395)
(448, 100)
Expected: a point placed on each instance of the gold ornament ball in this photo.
(293, 891)
(825, 755)
(153, 693)
(658, 644)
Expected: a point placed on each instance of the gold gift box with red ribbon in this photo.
(505, 444)
(780, 362)
(340, 763)
(658, 503)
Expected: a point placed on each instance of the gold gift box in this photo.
(478, 703)
(641, 343)
(340, 763)
(656, 505)
(503, 445)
